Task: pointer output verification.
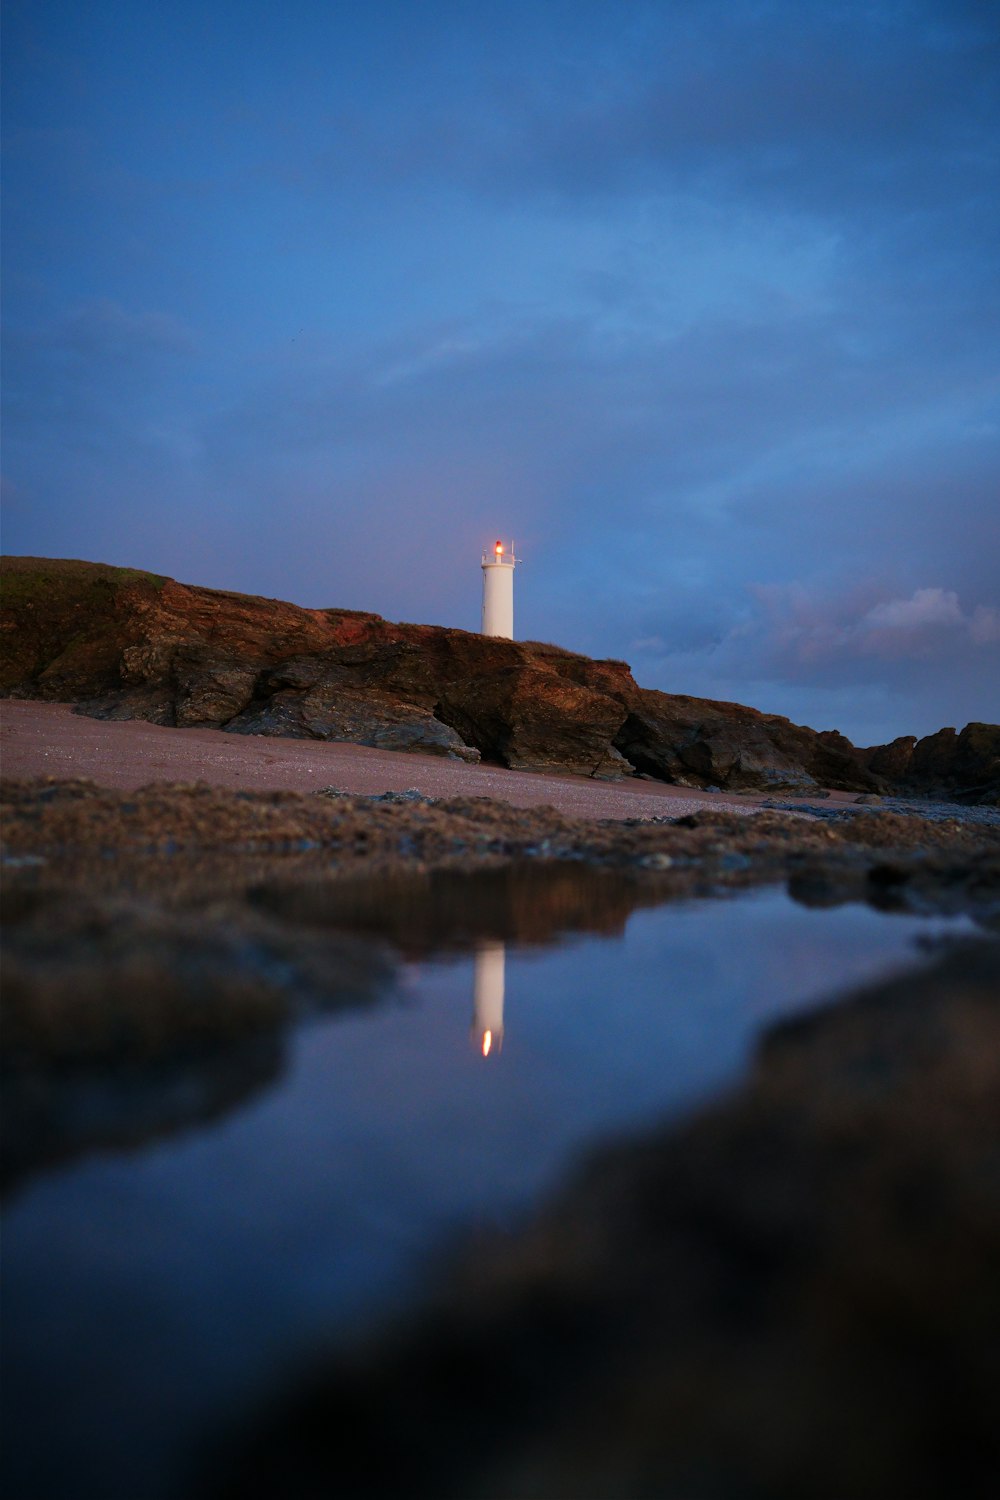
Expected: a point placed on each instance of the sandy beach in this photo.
(49, 739)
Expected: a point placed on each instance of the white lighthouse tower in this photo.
(498, 591)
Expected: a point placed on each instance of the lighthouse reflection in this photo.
(488, 991)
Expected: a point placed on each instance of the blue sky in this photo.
(697, 301)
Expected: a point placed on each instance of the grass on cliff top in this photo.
(63, 611)
(41, 580)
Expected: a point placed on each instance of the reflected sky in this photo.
(147, 1293)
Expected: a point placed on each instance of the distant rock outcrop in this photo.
(963, 767)
(124, 644)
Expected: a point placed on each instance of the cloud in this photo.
(984, 627)
(926, 607)
(796, 627)
(871, 664)
(930, 622)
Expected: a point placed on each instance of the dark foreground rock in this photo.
(797, 1294)
(125, 644)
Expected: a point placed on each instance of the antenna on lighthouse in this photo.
(498, 590)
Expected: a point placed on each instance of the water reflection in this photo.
(230, 1250)
(48, 1117)
(488, 996)
(450, 911)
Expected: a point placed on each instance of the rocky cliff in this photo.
(121, 643)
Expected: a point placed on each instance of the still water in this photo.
(150, 1293)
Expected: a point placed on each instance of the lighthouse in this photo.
(498, 591)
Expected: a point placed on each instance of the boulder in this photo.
(833, 761)
(694, 742)
(330, 712)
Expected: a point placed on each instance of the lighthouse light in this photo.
(498, 549)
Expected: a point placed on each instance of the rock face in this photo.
(126, 644)
(962, 766)
(697, 742)
(535, 720)
(892, 760)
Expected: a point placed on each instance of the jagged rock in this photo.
(210, 689)
(933, 758)
(965, 765)
(834, 761)
(737, 759)
(979, 750)
(892, 760)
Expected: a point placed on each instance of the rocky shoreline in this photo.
(123, 645)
